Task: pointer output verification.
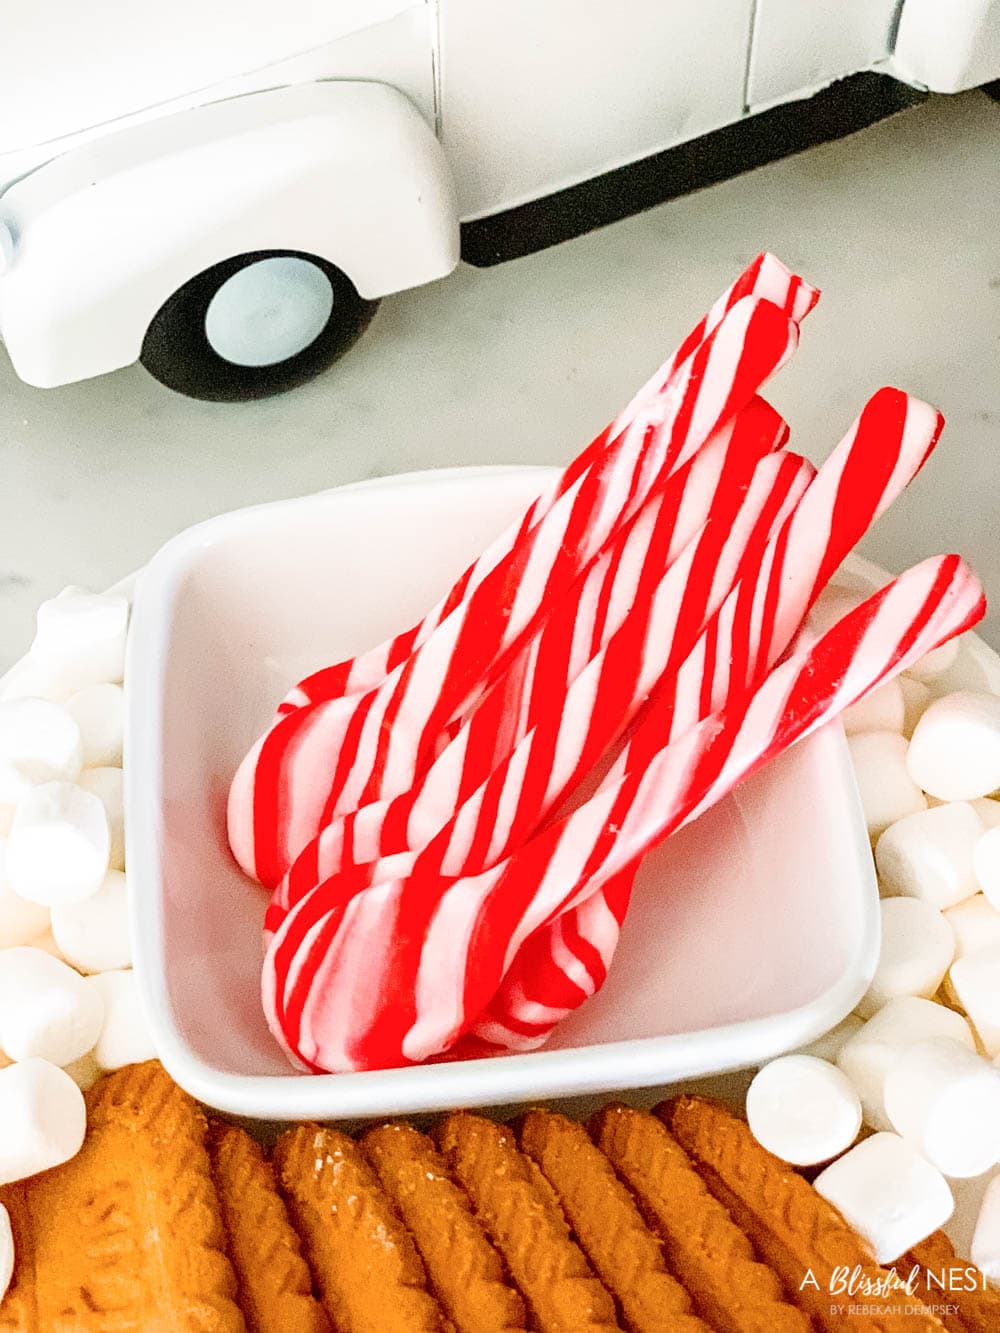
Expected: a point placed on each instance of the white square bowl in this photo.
(750, 933)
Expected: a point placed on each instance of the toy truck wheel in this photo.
(254, 325)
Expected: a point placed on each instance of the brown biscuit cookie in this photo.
(703, 1245)
(625, 1254)
(275, 1285)
(803, 1238)
(943, 1279)
(126, 1237)
(519, 1210)
(363, 1259)
(464, 1270)
(19, 1308)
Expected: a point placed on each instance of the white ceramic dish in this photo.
(750, 933)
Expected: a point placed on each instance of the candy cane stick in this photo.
(557, 968)
(620, 627)
(879, 456)
(321, 759)
(924, 607)
(766, 277)
(525, 993)
(464, 812)
(384, 980)
(884, 449)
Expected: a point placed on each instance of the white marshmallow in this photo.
(80, 639)
(929, 854)
(30, 679)
(46, 1009)
(985, 1251)
(976, 667)
(803, 1110)
(969, 1194)
(887, 790)
(986, 861)
(44, 1119)
(975, 924)
(918, 946)
(829, 1045)
(107, 784)
(888, 1192)
(884, 709)
(867, 1057)
(6, 1252)
(39, 742)
(955, 750)
(23, 681)
(988, 810)
(60, 844)
(20, 920)
(936, 662)
(945, 1099)
(94, 935)
(47, 943)
(833, 604)
(975, 981)
(125, 1037)
(99, 711)
(916, 697)
(84, 1072)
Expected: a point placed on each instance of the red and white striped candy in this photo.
(400, 971)
(879, 456)
(542, 983)
(885, 448)
(580, 680)
(327, 758)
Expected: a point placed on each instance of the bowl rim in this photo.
(638, 1062)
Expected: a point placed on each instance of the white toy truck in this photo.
(224, 189)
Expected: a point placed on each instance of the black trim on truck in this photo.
(842, 108)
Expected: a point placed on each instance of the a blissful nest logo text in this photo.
(913, 1291)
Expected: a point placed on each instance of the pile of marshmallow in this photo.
(915, 1070)
(68, 1002)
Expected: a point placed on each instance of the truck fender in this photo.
(948, 45)
(104, 234)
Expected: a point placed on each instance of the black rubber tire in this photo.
(177, 352)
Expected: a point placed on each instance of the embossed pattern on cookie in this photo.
(140, 1246)
(366, 1266)
(275, 1285)
(464, 1270)
(625, 1254)
(519, 1210)
(704, 1247)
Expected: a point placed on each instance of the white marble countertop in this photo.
(523, 363)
